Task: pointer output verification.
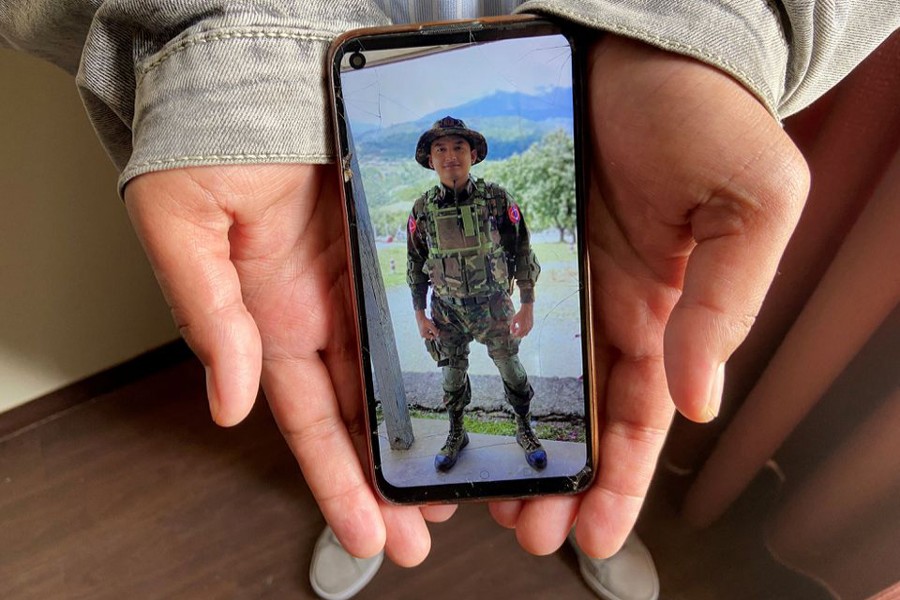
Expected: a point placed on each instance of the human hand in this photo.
(252, 261)
(695, 191)
(522, 321)
(427, 329)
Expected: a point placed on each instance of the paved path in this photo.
(487, 457)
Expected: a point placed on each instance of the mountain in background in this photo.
(555, 103)
(511, 122)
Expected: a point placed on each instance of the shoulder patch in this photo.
(513, 212)
(411, 225)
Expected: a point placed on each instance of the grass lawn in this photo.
(563, 432)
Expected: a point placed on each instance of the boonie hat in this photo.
(450, 126)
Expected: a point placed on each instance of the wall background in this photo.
(76, 294)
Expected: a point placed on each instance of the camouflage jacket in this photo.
(471, 243)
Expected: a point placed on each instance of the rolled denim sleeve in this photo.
(213, 82)
(786, 53)
(169, 84)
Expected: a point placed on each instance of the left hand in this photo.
(522, 321)
(695, 190)
(252, 260)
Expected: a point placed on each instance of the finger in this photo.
(438, 513)
(515, 328)
(408, 541)
(741, 233)
(506, 512)
(544, 523)
(637, 417)
(304, 404)
(185, 236)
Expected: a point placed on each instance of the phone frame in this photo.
(454, 32)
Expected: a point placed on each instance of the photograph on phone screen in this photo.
(464, 191)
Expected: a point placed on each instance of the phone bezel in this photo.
(454, 32)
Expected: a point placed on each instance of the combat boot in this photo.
(534, 452)
(457, 439)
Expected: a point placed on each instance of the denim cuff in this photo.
(744, 39)
(171, 84)
(232, 96)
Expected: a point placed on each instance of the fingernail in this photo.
(211, 394)
(714, 402)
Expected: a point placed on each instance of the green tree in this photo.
(543, 180)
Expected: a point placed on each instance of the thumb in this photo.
(185, 235)
(741, 232)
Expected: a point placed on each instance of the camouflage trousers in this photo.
(488, 323)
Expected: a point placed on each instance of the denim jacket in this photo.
(169, 83)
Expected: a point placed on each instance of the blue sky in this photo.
(405, 91)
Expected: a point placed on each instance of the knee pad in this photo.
(454, 379)
(512, 372)
(456, 398)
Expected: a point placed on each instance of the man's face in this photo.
(452, 157)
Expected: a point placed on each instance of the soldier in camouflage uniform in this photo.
(468, 242)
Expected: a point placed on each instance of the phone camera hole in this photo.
(357, 60)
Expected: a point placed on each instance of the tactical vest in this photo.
(465, 257)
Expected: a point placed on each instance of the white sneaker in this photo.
(627, 575)
(336, 575)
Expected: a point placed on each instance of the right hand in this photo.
(695, 191)
(427, 329)
(251, 259)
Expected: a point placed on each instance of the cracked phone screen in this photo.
(464, 189)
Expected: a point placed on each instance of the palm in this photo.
(290, 257)
(291, 262)
(252, 259)
(695, 190)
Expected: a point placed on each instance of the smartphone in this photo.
(461, 152)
